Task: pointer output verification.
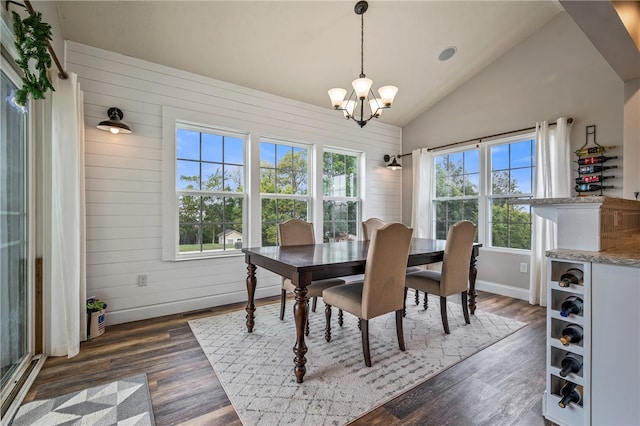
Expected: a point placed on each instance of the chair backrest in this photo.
(385, 270)
(295, 232)
(370, 225)
(457, 254)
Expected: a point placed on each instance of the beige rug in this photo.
(256, 369)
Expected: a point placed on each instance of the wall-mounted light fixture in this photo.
(113, 124)
(393, 165)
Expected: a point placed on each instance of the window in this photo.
(210, 189)
(461, 192)
(457, 189)
(284, 181)
(341, 205)
(512, 168)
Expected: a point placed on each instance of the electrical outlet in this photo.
(142, 280)
(523, 267)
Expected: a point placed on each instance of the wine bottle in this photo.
(592, 179)
(571, 334)
(593, 150)
(590, 187)
(571, 305)
(570, 393)
(571, 363)
(595, 160)
(585, 170)
(571, 276)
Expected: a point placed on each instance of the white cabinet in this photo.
(610, 376)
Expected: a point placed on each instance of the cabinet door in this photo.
(615, 368)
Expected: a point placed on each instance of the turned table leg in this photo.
(473, 273)
(301, 315)
(251, 290)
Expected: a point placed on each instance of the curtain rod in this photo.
(62, 74)
(569, 120)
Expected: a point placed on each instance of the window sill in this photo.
(202, 256)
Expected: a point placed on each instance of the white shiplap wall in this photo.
(124, 178)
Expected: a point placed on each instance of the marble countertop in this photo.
(591, 199)
(627, 254)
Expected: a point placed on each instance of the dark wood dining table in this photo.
(303, 264)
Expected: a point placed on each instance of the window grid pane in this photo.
(209, 223)
(341, 207)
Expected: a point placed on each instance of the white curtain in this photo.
(68, 278)
(421, 211)
(552, 180)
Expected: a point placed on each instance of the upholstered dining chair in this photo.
(373, 223)
(297, 232)
(382, 290)
(454, 276)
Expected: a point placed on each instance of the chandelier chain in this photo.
(362, 45)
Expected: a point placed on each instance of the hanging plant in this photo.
(32, 38)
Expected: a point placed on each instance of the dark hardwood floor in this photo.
(501, 385)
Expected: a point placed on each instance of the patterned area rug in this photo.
(123, 403)
(256, 369)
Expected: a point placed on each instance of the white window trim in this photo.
(484, 195)
(171, 119)
(358, 199)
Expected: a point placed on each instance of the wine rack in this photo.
(573, 413)
(593, 167)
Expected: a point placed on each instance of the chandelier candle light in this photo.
(361, 93)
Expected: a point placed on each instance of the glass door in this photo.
(15, 288)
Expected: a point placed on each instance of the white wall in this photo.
(631, 138)
(555, 72)
(124, 178)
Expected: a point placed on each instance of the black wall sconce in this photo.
(113, 124)
(393, 165)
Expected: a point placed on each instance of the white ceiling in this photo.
(300, 49)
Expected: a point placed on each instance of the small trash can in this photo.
(95, 317)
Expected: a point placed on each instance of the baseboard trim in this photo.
(503, 290)
(146, 312)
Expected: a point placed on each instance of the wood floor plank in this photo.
(501, 385)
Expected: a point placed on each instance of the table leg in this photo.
(301, 315)
(251, 290)
(473, 273)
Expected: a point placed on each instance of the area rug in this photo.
(122, 403)
(256, 369)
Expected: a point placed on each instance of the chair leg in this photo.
(365, 341)
(426, 301)
(327, 328)
(340, 317)
(418, 297)
(283, 301)
(399, 329)
(465, 307)
(443, 314)
(404, 302)
(315, 304)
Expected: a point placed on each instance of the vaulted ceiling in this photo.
(300, 49)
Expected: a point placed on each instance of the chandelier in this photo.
(354, 106)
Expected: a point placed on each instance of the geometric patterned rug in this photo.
(123, 403)
(256, 369)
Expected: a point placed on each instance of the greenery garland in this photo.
(32, 37)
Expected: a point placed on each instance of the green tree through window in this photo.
(284, 180)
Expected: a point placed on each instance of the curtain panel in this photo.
(552, 180)
(68, 276)
(422, 210)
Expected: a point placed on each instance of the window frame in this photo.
(359, 156)
(171, 194)
(485, 193)
(308, 197)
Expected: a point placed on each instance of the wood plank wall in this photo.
(124, 178)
